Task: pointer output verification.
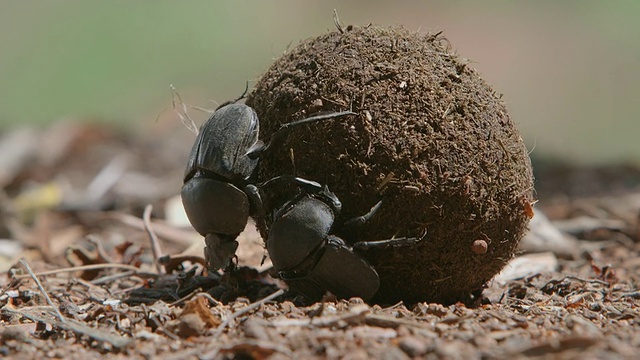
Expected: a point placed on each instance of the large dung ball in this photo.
(431, 138)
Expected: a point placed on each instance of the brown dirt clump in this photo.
(431, 138)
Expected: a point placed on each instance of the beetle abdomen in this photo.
(298, 233)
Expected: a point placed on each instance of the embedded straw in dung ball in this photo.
(431, 138)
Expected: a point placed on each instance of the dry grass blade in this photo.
(182, 111)
(245, 310)
(155, 244)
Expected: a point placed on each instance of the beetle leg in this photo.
(361, 220)
(278, 137)
(349, 229)
(339, 270)
(233, 264)
(260, 213)
(377, 244)
(309, 186)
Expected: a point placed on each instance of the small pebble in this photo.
(190, 325)
(479, 247)
(413, 346)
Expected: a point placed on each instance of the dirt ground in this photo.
(78, 242)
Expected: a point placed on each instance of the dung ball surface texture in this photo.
(430, 138)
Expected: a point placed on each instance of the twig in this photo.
(356, 315)
(164, 330)
(99, 248)
(395, 306)
(590, 281)
(168, 233)
(336, 20)
(632, 295)
(73, 325)
(93, 290)
(108, 278)
(385, 321)
(88, 267)
(387, 179)
(42, 290)
(190, 295)
(155, 244)
(195, 294)
(245, 310)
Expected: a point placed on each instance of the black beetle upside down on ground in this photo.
(220, 194)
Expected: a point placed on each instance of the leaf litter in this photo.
(80, 278)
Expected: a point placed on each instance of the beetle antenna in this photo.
(356, 222)
(244, 95)
(308, 185)
(280, 134)
(378, 244)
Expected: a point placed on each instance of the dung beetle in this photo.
(306, 254)
(218, 189)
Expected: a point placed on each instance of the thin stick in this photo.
(86, 267)
(194, 294)
(168, 233)
(336, 21)
(245, 310)
(165, 331)
(108, 278)
(99, 248)
(43, 291)
(155, 244)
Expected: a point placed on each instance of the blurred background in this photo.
(569, 71)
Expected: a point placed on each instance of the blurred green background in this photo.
(570, 70)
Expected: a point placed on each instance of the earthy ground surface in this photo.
(73, 209)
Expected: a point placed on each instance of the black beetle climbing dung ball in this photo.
(432, 139)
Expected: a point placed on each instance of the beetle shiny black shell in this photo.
(222, 145)
(218, 169)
